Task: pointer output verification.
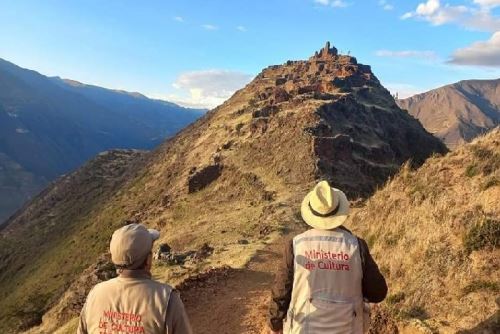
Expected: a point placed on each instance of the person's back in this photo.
(326, 294)
(326, 274)
(133, 302)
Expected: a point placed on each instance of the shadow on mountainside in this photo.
(488, 326)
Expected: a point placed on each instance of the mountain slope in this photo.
(459, 112)
(48, 128)
(233, 179)
(61, 210)
(155, 118)
(439, 241)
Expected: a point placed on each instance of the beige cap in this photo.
(131, 244)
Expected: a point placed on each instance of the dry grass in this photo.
(435, 234)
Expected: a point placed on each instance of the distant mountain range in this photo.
(49, 126)
(459, 112)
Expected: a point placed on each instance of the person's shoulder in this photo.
(105, 284)
(101, 287)
(160, 285)
(345, 229)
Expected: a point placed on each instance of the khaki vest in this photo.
(127, 305)
(327, 292)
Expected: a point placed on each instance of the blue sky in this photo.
(199, 52)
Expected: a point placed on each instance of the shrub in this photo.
(391, 240)
(416, 311)
(471, 170)
(481, 152)
(481, 285)
(395, 298)
(482, 235)
(492, 182)
(370, 240)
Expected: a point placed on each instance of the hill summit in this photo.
(359, 135)
(233, 180)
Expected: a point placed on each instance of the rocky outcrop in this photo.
(358, 146)
(327, 53)
(360, 136)
(200, 178)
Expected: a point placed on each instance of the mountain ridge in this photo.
(48, 128)
(457, 112)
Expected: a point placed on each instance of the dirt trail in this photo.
(233, 300)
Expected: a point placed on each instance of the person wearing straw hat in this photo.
(327, 274)
(133, 302)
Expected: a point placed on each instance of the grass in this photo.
(69, 328)
(485, 234)
(45, 253)
(481, 285)
(471, 171)
(395, 298)
(414, 312)
(489, 183)
(435, 235)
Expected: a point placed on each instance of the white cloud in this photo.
(407, 54)
(178, 18)
(385, 5)
(483, 20)
(207, 88)
(476, 18)
(487, 3)
(209, 27)
(428, 8)
(406, 16)
(403, 90)
(241, 28)
(332, 3)
(484, 53)
(339, 3)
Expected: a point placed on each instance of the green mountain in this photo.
(50, 126)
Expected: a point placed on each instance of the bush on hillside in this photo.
(482, 235)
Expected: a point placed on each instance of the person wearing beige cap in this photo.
(133, 302)
(327, 274)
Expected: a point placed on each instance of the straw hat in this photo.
(325, 208)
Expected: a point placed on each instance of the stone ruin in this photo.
(328, 52)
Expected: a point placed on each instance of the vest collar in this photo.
(134, 273)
